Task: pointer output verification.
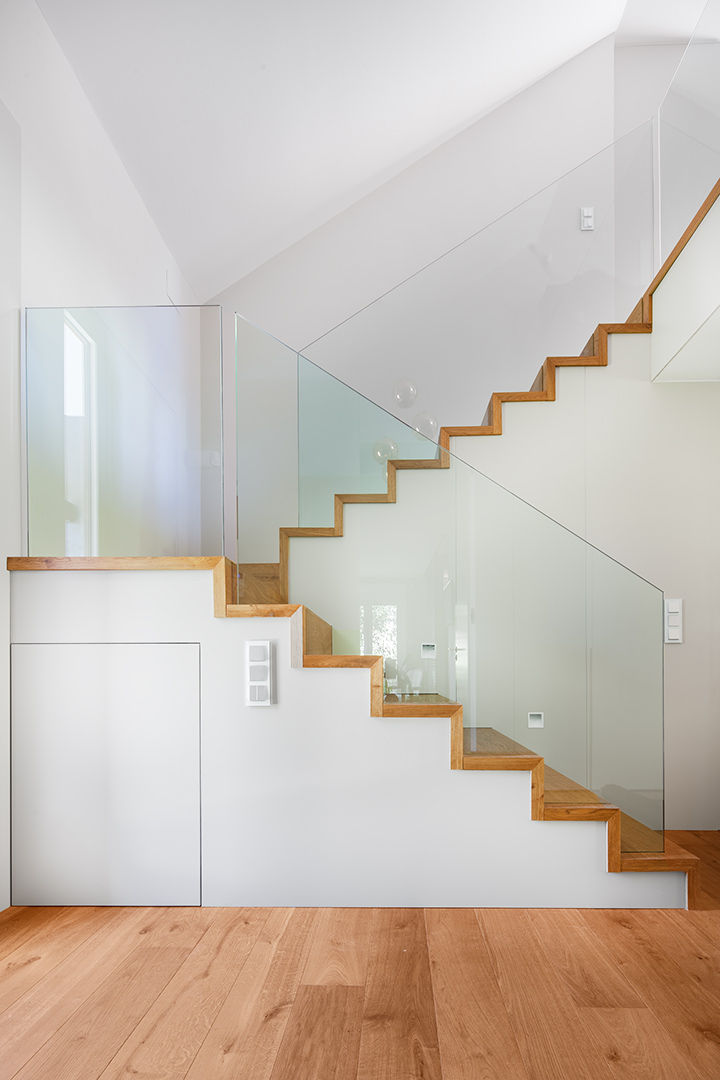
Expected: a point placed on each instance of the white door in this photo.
(106, 774)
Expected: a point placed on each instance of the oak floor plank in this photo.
(689, 1013)
(399, 1032)
(247, 1032)
(19, 924)
(322, 1036)
(85, 1044)
(340, 948)
(474, 1033)
(165, 1042)
(37, 956)
(35, 1017)
(634, 1045)
(545, 1019)
(588, 970)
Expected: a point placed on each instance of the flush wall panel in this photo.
(106, 774)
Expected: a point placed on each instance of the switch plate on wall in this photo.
(674, 622)
(587, 218)
(258, 673)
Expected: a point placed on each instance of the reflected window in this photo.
(378, 630)
(80, 443)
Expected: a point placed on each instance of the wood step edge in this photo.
(673, 857)
(261, 611)
(580, 812)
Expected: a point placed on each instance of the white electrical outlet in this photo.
(536, 719)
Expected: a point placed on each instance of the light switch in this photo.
(258, 673)
(673, 622)
(587, 218)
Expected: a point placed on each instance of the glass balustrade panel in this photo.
(689, 131)
(124, 431)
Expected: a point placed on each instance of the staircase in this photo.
(262, 590)
(259, 590)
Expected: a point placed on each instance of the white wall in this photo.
(458, 188)
(314, 802)
(685, 304)
(643, 74)
(468, 182)
(9, 446)
(87, 237)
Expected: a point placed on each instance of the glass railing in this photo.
(468, 593)
(689, 130)
(124, 431)
(533, 283)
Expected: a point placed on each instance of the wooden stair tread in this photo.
(488, 741)
(562, 792)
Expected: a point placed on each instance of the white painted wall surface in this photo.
(87, 236)
(459, 188)
(467, 182)
(106, 774)
(684, 302)
(9, 446)
(312, 801)
(631, 465)
(643, 74)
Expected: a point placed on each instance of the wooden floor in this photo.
(339, 994)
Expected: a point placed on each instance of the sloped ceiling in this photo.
(246, 125)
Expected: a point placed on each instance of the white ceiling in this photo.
(246, 125)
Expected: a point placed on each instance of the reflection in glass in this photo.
(124, 426)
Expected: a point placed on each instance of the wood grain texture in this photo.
(88, 1040)
(348, 993)
(224, 586)
(25, 965)
(586, 968)
(704, 883)
(19, 924)
(43, 1010)
(247, 1032)
(120, 562)
(399, 1033)
(544, 1018)
(339, 949)
(317, 634)
(653, 961)
(259, 583)
(322, 1036)
(475, 1037)
(165, 1042)
(82, 1047)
